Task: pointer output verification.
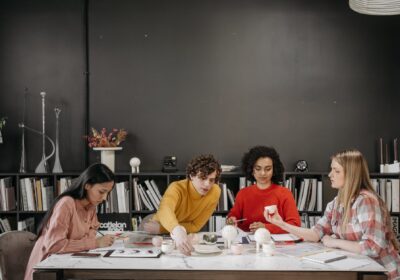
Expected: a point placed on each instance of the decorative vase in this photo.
(108, 155)
(57, 164)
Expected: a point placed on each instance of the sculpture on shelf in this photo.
(41, 166)
(135, 163)
(57, 164)
(22, 165)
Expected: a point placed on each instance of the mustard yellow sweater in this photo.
(182, 205)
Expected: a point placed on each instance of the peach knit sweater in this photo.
(71, 228)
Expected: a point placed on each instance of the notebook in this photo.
(325, 257)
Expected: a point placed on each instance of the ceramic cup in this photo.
(237, 248)
(167, 246)
(271, 209)
(157, 241)
(268, 248)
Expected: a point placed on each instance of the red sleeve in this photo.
(237, 209)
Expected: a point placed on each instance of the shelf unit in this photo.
(232, 179)
(328, 193)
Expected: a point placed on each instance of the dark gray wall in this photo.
(188, 77)
(42, 48)
(203, 76)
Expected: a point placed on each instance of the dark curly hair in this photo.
(205, 165)
(250, 158)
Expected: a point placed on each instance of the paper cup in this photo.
(237, 248)
(271, 209)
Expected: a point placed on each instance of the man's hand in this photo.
(152, 227)
(181, 239)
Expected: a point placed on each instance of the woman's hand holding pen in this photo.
(233, 221)
(105, 241)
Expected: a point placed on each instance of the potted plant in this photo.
(107, 143)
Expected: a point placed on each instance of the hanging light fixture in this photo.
(376, 7)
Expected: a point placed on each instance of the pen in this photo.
(241, 220)
(102, 234)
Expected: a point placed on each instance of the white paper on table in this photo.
(349, 263)
(284, 237)
(118, 244)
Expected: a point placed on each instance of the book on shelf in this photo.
(395, 195)
(5, 225)
(27, 224)
(63, 184)
(389, 194)
(389, 191)
(144, 198)
(7, 194)
(152, 194)
(137, 204)
(313, 196)
(319, 196)
(216, 223)
(231, 197)
(156, 189)
(223, 198)
(122, 201)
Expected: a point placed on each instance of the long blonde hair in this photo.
(356, 178)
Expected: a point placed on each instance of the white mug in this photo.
(268, 248)
(167, 246)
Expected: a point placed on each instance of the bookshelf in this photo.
(385, 184)
(18, 212)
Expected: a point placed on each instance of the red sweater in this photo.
(250, 203)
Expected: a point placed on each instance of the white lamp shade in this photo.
(229, 232)
(376, 7)
(262, 235)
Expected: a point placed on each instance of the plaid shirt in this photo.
(366, 226)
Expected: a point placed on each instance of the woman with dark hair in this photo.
(263, 165)
(357, 219)
(71, 223)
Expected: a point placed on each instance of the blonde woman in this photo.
(357, 220)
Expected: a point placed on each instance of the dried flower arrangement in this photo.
(104, 139)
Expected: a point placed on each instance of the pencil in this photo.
(241, 220)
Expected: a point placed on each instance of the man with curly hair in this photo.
(263, 165)
(188, 204)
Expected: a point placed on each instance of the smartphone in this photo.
(83, 254)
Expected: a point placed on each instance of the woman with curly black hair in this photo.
(263, 165)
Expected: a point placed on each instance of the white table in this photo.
(249, 265)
